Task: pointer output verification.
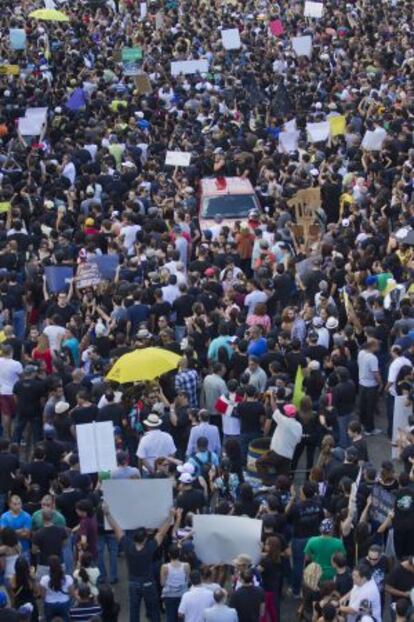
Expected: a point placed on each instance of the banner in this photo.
(77, 100)
(57, 278)
(178, 158)
(189, 66)
(313, 9)
(382, 503)
(288, 141)
(231, 39)
(219, 539)
(318, 132)
(131, 58)
(373, 139)
(34, 122)
(96, 447)
(17, 39)
(138, 502)
(276, 28)
(106, 264)
(87, 275)
(9, 70)
(337, 124)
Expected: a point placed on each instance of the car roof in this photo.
(225, 185)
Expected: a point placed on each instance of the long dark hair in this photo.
(22, 573)
(86, 561)
(56, 574)
(110, 608)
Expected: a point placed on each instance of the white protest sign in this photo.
(143, 9)
(33, 122)
(313, 9)
(138, 502)
(288, 141)
(400, 420)
(96, 447)
(302, 46)
(49, 4)
(231, 39)
(373, 139)
(318, 132)
(219, 539)
(290, 126)
(189, 66)
(178, 158)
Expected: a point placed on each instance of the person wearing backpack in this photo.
(203, 459)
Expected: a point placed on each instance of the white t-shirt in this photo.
(286, 436)
(253, 299)
(10, 371)
(194, 602)
(368, 591)
(55, 334)
(155, 444)
(393, 372)
(57, 597)
(367, 366)
(130, 233)
(69, 172)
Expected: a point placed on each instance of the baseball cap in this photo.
(186, 478)
(209, 272)
(289, 410)
(187, 467)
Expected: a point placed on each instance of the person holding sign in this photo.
(139, 553)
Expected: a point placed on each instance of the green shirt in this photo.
(320, 550)
(37, 520)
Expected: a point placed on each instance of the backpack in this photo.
(204, 466)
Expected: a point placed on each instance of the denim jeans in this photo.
(67, 554)
(108, 540)
(57, 610)
(298, 560)
(171, 608)
(143, 589)
(19, 323)
(343, 423)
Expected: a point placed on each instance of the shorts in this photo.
(7, 405)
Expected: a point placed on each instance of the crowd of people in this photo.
(295, 342)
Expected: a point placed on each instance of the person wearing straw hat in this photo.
(154, 444)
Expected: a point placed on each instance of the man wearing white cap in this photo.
(154, 444)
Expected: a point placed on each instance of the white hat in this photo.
(345, 222)
(318, 106)
(314, 365)
(61, 407)
(317, 321)
(331, 323)
(58, 110)
(187, 467)
(186, 478)
(152, 421)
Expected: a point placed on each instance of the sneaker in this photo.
(373, 432)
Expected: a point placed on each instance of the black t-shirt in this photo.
(306, 516)
(271, 574)
(49, 541)
(139, 561)
(7, 614)
(112, 412)
(41, 473)
(293, 360)
(404, 510)
(14, 297)
(362, 449)
(250, 413)
(85, 414)
(64, 313)
(29, 393)
(401, 579)
(66, 502)
(8, 465)
(316, 353)
(342, 470)
(247, 600)
(183, 308)
(343, 582)
(191, 500)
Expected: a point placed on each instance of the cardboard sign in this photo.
(34, 122)
(143, 84)
(17, 39)
(318, 132)
(337, 124)
(219, 539)
(131, 61)
(189, 66)
(276, 28)
(373, 139)
(313, 9)
(87, 275)
(57, 278)
(288, 141)
(9, 70)
(138, 502)
(231, 39)
(96, 447)
(302, 46)
(178, 158)
(106, 264)
(382, 503)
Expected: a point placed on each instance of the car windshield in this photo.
(228, 206)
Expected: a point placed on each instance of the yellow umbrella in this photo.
(49, 15)
(145, 364)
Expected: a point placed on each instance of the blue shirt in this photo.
(206, 457)
(217, 343)
(21, 521)
(257, 347)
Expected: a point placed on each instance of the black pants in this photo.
(310, 453)
(368, 397)
(271, 465)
